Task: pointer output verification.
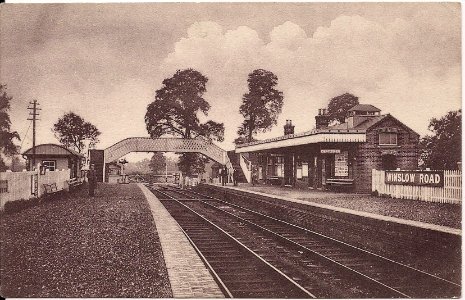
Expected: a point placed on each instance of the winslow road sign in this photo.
(424, 178)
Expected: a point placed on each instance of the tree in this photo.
(443, 150)
(73, 131)
(175, 112)
(242, 139)
(157, 163)
(192, 163)
(262, 105)
(7, 137)
(17, 164)
(339, 105)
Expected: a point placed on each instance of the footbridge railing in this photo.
(146, 144)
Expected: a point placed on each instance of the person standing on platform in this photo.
(235, 177)
(225, 176)
(254, 175)
(220, 175)
(92, 178)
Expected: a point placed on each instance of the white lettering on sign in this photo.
(399, 177)
(430, 178)
(425, 178)
(330, 151)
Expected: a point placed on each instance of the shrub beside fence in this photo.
(450, 193)
(23, 185)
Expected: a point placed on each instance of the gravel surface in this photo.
(77, 246)
(428, 212)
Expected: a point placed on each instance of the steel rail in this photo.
(245, 247)
(307, 249)
(327, 237)
(407, 268)
(216, 277)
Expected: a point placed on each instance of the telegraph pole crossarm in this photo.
(33, 113)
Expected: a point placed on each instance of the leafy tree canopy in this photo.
(177, 105)
(7, 137)
(443, 149)
(175, 112)
(158, 163)
(262, 105)
(73, 131)
(192, 163)
(242, 139)
(339, 105)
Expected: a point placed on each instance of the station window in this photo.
(304, 169)
(388, 138)
(301, 167)
(3, 186)
(49, 164)
(298, 167)
(276, 166)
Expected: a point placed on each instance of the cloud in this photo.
(106, 60)
(288, 36)
(396, 65)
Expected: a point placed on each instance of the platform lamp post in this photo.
(248, 121)
(166, 172)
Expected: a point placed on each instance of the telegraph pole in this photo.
(33, 113)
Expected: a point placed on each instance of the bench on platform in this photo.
(340, 182)
(74, 182)
(50, 188)
(274, 180)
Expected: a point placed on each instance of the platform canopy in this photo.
(309, 137)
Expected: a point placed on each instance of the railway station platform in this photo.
(434, 216)
(188, 276)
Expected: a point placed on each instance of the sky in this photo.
(105, 61)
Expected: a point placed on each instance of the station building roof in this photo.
(364, 107)
(364, 125)
(52, 150)
(340, 133)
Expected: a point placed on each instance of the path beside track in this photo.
(188, 275)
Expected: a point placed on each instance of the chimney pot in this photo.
(288, 128)
(322, 119)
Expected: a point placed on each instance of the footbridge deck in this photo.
(178, 145)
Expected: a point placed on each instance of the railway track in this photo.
(323, 266)
(238, 270)
(434, 252)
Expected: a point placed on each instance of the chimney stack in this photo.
(288, 128)
(322, 120)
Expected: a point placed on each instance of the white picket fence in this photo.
(21, 185)
(450, 193)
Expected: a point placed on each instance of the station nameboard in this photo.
(330, 151)
(424, 178)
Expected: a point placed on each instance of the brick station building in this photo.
(335, 156)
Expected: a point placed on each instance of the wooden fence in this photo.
(29, 184)
(450, 193)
